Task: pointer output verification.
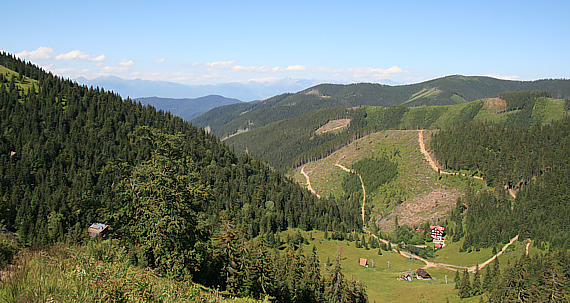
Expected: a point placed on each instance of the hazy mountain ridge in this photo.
(442, 91)
(188, 108)
(248, 91)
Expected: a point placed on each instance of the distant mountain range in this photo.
(456, 89)
(187, 108)
(248, 91)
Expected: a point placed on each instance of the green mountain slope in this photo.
(292, 142)
(449, 90)
(71, 156)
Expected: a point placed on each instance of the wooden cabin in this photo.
(421, 274)
(98, 229)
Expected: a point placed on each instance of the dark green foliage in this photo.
(387, 117)
(250, 268)
(487, 285)
(53, 154)
(457, 280)
(476, 286)
(520, 100)
(72, 155)
(535, 160)
(227, 120)
(465, 285)
(159, 201)
(374, 172)
(293, 142)
(488, 220)
(8, 248)
(338, 289)
(539, 278)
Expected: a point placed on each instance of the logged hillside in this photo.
(398, 180)
(449, 90)
(292, 142)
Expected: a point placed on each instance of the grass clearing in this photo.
(381, 281)
(417, 194)
(23, 85)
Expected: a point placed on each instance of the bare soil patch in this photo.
(333, 125)
(496, 104)
(428, 207)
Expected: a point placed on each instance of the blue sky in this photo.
(208, 42)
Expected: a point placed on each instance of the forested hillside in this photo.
(449, 90)
(72, 155)
(533, 161)
(292, 142)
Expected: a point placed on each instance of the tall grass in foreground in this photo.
(97, 272)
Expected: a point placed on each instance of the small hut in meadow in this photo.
(421, 274)
(363, 262)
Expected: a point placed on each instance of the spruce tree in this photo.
(465, 287)
(476, 287)
(335, 286)
(487, 280)
(313, 278)
(457, 280)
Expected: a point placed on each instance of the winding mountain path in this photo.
(309, 187)
(452, 267)
(432, 162)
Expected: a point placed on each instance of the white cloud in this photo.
(261, 80)
(263, 69)
(296, 67)
(373, 73)
(160, 60)
(114, 69)
(76, 54)
(503, 77)
(126, 62)
(42, 53)
(220, 64)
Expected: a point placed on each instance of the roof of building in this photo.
(98, 226)
(422, 273)
(437, 227)
(363, 262)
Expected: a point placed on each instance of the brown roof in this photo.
(363, 262)
(422, 273)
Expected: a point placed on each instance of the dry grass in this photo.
(333, 126)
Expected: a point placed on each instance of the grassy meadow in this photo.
(381, 281)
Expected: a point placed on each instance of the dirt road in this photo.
(309, 187)
(430, 160)
(452, 267)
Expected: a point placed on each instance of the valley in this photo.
(287, 210)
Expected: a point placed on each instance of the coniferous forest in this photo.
(533, 161)
(71, 155)
(187, 206)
